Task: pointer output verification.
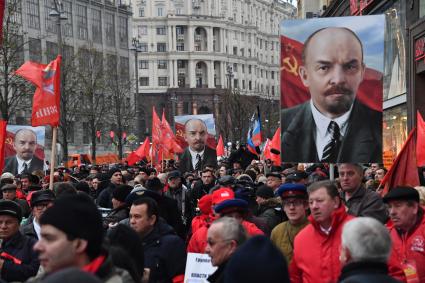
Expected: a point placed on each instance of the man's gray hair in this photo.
(367, 239)
(232, 229)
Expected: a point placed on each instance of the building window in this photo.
(123, 32)
(179, 30)
(50, 22)
(161, 47)
(243, 69)
(249, 85)
(161, 30)
(143, 47)
(141, 12)
(142, 30)
(180, 46)
(82, 29)
(33, 14)
(163, 81)
(144, 81)
(34, 46)
(143, 64)
(236, 83)
(110, 29)
(272, 75)
(178, 11)
(249, 69)
(96, 27)
(243, 84)
(235, 67)
(67, 27)
(235, 50)
(162, 64)
(159, 11)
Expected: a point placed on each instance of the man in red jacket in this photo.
(407, 231)
(317, 246)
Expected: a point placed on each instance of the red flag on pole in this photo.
(275, 148)
(404, 170)
(3, 125)
(46, 101)
(220, 147)
(168, 140)
(141, 151)
(266, 150)
(420, 141)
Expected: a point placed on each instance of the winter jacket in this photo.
(29, 231)
(105, 197)
(115, 216)
(218, 275)
(283, 236)
(165, 254)
(198, 241)
(365, 202)
(184, 202)
(271, 212)
(364, 272)
(21, 261)
(316, 254)
(410, 247)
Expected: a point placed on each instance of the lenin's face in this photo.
(25, 144)
(196, 135)
(333, 70)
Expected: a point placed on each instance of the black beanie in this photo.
(78, 217)
(154, 184)
(257, 260)
(121, 192)
(112, 171)
(265, 192)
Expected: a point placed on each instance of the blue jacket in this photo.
(20, 247)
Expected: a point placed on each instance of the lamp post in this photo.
(135, 46)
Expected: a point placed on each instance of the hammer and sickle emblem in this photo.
(290, 65)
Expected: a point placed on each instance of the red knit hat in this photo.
(204, 204)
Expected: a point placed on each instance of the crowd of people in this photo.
(257, 222)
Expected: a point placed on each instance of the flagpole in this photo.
(52, 156)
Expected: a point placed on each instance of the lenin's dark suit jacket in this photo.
(209, 158)
(362, 142)
(11, 165)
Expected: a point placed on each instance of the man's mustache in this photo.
(338, 90)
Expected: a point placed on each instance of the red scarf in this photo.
(93, 266)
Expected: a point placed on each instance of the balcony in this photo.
(180, 37)
(181, 71)
(198, 72)
(198, 37)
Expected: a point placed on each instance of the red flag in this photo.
(420, 140)
(404, 170)
(220, 147)
(156, 128)
(46, 101)
(141, 151)
(275, 148)
(111, 135)
(98, 134)
(266, 150)
(293, 91)
(3, 125)
(167, 134)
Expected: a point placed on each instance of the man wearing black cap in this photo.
(297, 176)
(18, 260)
(119, 206)
(105, 197)
(72, 236)
(9, 193)
(40, 201)
(274, 180)
(407, 231)
(179, 192)
(294, 203)
(269, 207)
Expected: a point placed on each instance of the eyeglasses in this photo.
(294, 203)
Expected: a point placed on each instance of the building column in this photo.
(191, 38)
(210, 39)
(192, 76)
(222, 48)
(174, 38)
(194, 108)
(223, 78)
(170, 73)
(210, 74)
(170, 38)
(176, 75)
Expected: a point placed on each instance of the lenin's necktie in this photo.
(198, 162)
(330, 152)
(25, 171)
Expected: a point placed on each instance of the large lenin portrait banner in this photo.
(331, 89)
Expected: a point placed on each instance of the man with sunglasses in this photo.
(294, 203)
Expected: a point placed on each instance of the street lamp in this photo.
(229, 75)
(135, 46)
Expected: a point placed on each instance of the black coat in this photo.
(11, 165)
(209, 158)
(29, 231)
(362, 142)
(218, 275)
(165, 253)
(366, 272)
(105, 197)
(21, 248)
